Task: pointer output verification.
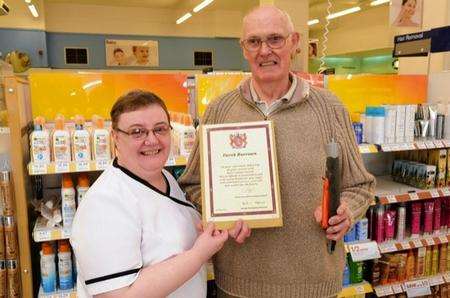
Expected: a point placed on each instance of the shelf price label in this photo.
(40, 236)
(417, 288)
(429, 144)
(397, 288)
(364, 148)
(414, 196)
(386, 147)
(388, 247)
(417, 243)
(436, 280)
(429, 241)
(82, 166)
(434, 193)
(364, 251)
(62, 167)
(383, 291)
(438, 144)
(405, 146)
(443, 239)
(421, 145)
(446, 143)
(38, 168)
(101, 164)
(391, 199)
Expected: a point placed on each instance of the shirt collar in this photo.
(286, 97)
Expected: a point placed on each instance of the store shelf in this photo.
(356, 289)
(417, 145)
(389, 191)
(84, 166)
(67, 167)
(393, 246)
(398, 288)
(58, 294)
(42, 233)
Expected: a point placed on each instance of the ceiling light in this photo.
(343, 12)
(378, 2)
(33, 10)
(313, 22)
(202, 5)
(27, 1)
(183, 18)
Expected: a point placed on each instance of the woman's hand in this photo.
(209, 242)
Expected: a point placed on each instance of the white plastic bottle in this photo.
(48, 268)
(65, 266)
(68, 205)
(81, 143)
(82, 187)
(187, 136)
(61, 141)
(100, 140)
(40, 142)
(176, 125)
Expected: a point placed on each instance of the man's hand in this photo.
(240, 231)
(338, 224)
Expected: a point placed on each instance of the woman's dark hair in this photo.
(133, 101)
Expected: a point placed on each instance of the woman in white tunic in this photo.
(134, 234)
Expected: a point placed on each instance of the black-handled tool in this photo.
(333, 175)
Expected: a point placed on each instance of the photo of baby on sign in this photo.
(138, 53)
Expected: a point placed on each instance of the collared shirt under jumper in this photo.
(125, 224)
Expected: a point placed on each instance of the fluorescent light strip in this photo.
(183, 18)
(202, 5)
(343, 12)
(378, 2)
(33, 10)
(27, 1)
(313, 22)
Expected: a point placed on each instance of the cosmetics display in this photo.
(389, 124)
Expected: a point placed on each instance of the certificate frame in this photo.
(239, 175)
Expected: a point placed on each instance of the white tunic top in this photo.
(125, 224)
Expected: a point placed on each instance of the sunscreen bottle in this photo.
(61, 141)
(81, 144)
(40, 142)
(67, 200)
(100, 140)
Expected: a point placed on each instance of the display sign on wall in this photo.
(135, 53)
(406, 13)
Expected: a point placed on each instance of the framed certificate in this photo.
(240, 174)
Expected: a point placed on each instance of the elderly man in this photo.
(291, 261)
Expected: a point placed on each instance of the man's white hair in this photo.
(284, 14)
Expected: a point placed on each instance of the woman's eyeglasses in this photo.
(141, 133)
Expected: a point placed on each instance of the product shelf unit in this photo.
(42, 233)
(417, 145)
(356, 289)
(397, 288)
(84, 166)
(409, 243)
(389, 192)
(58, 294)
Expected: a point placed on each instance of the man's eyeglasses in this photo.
(141, 133)
(274, 41)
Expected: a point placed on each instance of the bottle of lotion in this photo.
(100, 140)
(81, 144)
(61, 141)
(40, 142)
(67, 200)
(82, 187)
